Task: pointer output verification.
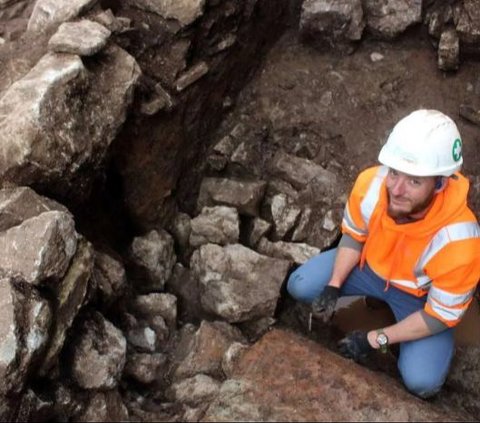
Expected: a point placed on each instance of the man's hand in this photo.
(324, 305)
(355, 345)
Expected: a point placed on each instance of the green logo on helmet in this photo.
(457, 149)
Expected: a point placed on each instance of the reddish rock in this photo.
(285, 377)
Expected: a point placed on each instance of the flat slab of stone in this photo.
(184, 11)
(48, 13)
(285, 377)
(84, 38)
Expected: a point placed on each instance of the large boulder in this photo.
(236, 283)
(467, 19)
(59, 120)
(285, 377)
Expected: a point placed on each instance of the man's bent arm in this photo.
(417, 325)
(348, 256)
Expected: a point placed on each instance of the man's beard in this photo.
(410, 214)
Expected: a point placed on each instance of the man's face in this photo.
(408, 196)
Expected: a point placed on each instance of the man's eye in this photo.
(415, 182)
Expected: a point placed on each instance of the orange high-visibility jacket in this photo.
(438, 256)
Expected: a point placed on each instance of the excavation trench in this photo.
(204, 153)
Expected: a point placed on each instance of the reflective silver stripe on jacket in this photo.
(454, 232)
(446, 313)
(450, 233)
(368, 204)
(448, 299)
(349, 223)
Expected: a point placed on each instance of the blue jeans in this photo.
(424, 363)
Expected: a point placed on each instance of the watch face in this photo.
(382, 339)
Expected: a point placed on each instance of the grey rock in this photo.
(256, 229)
(40, 248)
(245, 196)
(152, 305)
(332, 23)
(100, 354)
(50, 13)
(25, 320)
(105, 406)
(21, 203)
(204, 353)
(301, 232)
(389, 18)
(285, 215)
(180, 228)
(70, 294)
(42, 130)
(109, 278)
(158, 100)
(154, 254)
(107, 19)
(191, 76)
(449, 50)
(466, 16)
(237, 283)
(301, 172)
(184, 11)
(84, 38)
(216, 225)
(296, 252)
(194, 391)
(231, 357)
(145, 368)
(143, 338)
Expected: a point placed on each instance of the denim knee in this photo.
(423, 385)
(298, 287)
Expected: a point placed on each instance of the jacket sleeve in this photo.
(456, 272)
(353, 223)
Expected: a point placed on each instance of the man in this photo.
(410, 240)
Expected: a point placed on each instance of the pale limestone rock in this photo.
(237, 283)
(191, 76)
(100, 354)
(245, 196)
(184, 11)
(301, 172)
(70, 295)
(332, 23)
(293, 251)
(449, 50)
(285, 215)
(21, 203)
(84, 38)
(156, 304)
(145, 368)
(40, 248)
(49, 13)
(194, 391)
(389, 18)
(216, 225)
(203, 352)
(154, 256)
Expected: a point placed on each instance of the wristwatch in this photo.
(382, 340)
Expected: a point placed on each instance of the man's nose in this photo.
(398, 187)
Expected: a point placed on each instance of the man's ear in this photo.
(440, 184)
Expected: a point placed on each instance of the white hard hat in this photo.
(424, 143)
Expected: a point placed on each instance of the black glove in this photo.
(324, 305)
(355, 345)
